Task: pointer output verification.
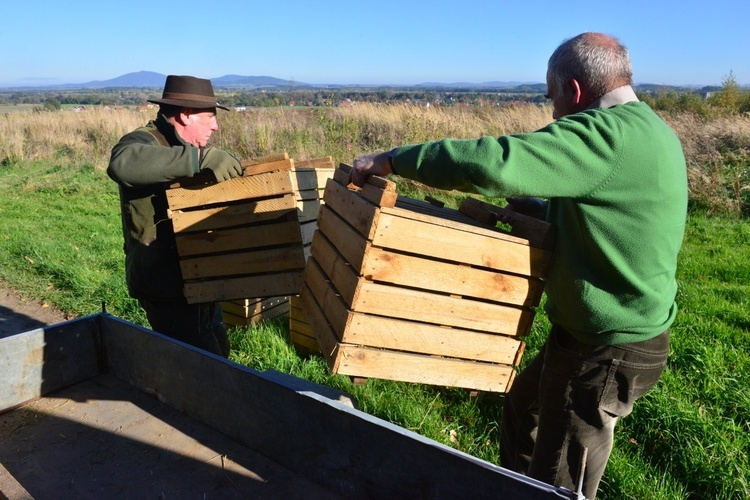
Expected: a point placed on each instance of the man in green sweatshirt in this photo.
(614, 179)
(143, 163)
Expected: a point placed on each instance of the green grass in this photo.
(60, 241)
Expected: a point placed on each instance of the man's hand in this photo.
(367, 165)
(533, 207)
(223, 165)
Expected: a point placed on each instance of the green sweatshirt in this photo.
(143, 163)
(616, 182)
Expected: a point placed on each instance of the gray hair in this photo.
(597, 61)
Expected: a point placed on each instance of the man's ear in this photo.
(183, 115)
(576, 91)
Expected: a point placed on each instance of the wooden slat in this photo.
(310, 178)
(333, 265)
(249, 262)
(355, 210)
(250, 307)
(379, 191)
(538, 232)
(307, 231)
(273, 312)
(322, 163)
(413, 271)
(309, 342)
(418, 337)
(241, 238)
(396, 302)
(416, 368)
(330, 302)
(265, 159)
(239, 188)
(250, 212)
(286, 283)
(308, 210)
(402, 233)
(324, 334)
(269, 166)
(349, 242)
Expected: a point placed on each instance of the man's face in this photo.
(197, 126)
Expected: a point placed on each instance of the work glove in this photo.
(222, 165)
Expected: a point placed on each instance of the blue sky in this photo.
(385, 42)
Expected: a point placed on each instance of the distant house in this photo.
(144, 108)
(240, 108)
(347, 103)
(78, 109)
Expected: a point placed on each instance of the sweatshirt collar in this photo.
(620, 95)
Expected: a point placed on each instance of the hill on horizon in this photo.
(152, 79)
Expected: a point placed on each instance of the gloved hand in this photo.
(223, 165)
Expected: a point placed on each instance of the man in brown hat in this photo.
(143, 163)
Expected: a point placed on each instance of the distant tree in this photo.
(52, 105)
(729, 97)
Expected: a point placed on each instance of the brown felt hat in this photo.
(188, 92)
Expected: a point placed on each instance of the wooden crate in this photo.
(246, 312)
(300, 332)
(248, 237)
(406, 290)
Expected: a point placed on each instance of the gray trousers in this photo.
(200, 325)
(570, 396)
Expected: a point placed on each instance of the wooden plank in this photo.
(296, 313)
(251, 307)
(239, 238)
(301, 328)
(449, 218)
(425, 338)
(330, 302)
(270, 313)
(265, 159)
(307, 210)
(324, 333)
(309, 342)
(334, 266)
(538, 232)
(248, 262)
(324, 162)
(262, 285)
(307, 231)
(397, 302)
(459, 245)
(249, 212)
(379, 191)
(408, 367)
(310, 178)
(240, 188)
(269, 166)
(414, 271)
(350, 243)
(355, 210)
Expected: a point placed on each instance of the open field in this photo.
(60, 241)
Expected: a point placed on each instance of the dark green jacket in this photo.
(143, 163)
(617, 185)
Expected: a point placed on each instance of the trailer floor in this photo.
(105, 438)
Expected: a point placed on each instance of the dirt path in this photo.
(20, 315)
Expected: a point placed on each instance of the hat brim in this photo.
(188, 104)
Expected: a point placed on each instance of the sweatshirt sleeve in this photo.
(568, 158)
(138, 160)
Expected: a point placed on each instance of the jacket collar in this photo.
(620, 95)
